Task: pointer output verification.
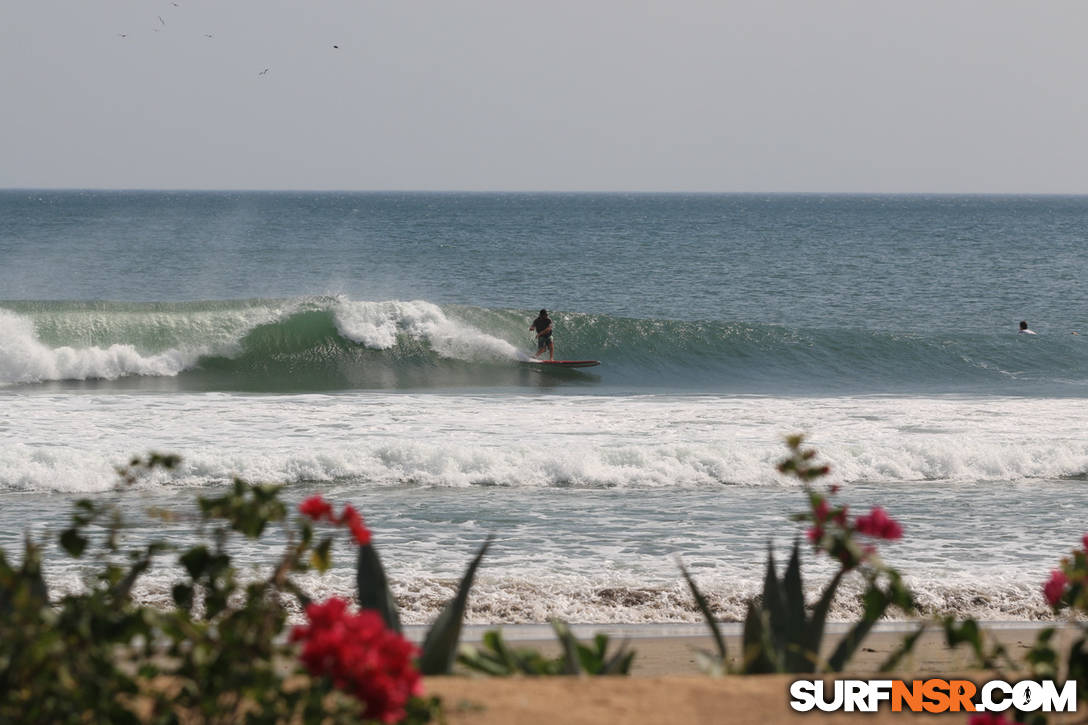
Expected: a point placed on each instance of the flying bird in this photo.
(264, 71)
(161, 20)
(336, 46)
(208, 35)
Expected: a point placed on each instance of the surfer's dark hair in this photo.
(543, 313)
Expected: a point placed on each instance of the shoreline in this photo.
(672, 652)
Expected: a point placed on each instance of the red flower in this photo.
(1084, 542)
(821, 510)
(316, 508)
(355, 523)
(360, 656)
(879, 525)
(319, 509)
(815, 534)
(1055, 587)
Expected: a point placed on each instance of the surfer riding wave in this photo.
(543, 327)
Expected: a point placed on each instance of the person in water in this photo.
(1024, 328)
(543, 327)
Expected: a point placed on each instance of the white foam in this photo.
(379, 324)
(537, 441)
(25, 359)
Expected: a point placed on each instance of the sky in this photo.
(867, 96)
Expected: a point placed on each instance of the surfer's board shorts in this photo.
(543, 341)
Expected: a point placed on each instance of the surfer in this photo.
(1024, 328)
(543, 327)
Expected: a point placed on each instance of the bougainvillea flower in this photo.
(316, 508)
(355, 522)
(1055, 587)
(879, 525)
(821, 510)
(360, 656)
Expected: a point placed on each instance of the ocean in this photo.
(368, 346)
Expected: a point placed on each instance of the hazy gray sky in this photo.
(760, 95)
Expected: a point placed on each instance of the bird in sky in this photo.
(336, 46)
(161, 20)
(264, 71)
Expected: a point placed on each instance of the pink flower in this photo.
(316, 508)
(355, 523)
(1084, 542)
(835, 488)
(319, 509)
(1055, 587)
(879, 525)
(815, 534)
(360, 656)
(821, 511)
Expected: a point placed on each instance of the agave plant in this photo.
(496, 658)
(781, 634)
(440, 645)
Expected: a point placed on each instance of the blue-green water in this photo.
(370, 344)
(767, 294)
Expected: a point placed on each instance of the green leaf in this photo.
(1078, 667)
(373, 588)
(620, 663)
(440, 644)
(815, 634)
(876, 603)
(571, 660)
(183, 596)
(196, 561)
(905, 648)
(774, 608)
(321, 557)
(32, 572)
(472, 658)
(73, 542)
(708, 617)
(798, 657)
(757, 656)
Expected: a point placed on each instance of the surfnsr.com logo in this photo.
(933, 696)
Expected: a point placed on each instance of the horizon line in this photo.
(611, 192)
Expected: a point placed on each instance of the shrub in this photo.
(780, 635)
(498, 659)
(219, 655)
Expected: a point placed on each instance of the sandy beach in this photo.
(667, 687)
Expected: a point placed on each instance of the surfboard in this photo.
(563, 363)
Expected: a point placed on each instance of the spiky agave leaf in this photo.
(373, 588)
(440, 644)
(704, 607)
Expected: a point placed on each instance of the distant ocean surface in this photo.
(368, 346)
